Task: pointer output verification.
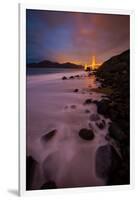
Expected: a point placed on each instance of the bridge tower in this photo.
(93, 62)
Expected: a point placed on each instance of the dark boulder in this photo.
(64, 78)
(107, 162)
(87, 111)
(73, 106)
(100, 125)
(71, 77)
(103, 161)
(103, 107)
(49, 135)
(77, 76)
(103, 121)
(88, 101)
(107, 137)
(86, 134)
(76, 90)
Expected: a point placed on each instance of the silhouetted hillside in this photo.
(47, 64)
(116, 63)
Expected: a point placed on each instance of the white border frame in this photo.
(22, 98)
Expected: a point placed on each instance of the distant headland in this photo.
(50, 64)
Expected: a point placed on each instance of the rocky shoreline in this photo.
(114, 76)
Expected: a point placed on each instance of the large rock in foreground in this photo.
(107, 162)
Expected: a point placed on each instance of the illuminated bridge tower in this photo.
(94, 65)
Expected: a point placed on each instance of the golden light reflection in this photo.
(90, 81)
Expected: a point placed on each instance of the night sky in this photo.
(75, 37)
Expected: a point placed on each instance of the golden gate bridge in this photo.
(93, 65)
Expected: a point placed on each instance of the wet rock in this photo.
(107, 162)
(87, 111)
(73, 106)
(103, 107)
(77, 76)
(64, 78)
(103, 161)
(94, 117)
(86, 134)
(116, 133)
(76, 90)
(31, 167)
(88, 101)
(49, 135)
(90, 74)
(49, 185)
(107, 137)
(103, 121)
(100, 125)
